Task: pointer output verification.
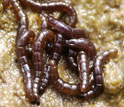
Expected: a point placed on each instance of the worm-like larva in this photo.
(83, 69)
(67, 30)
(52, 7)
(58, 83)
(21, 17)
(23, 37)
(98, 78)
(82, 44)
(26, 71)
(38, 64)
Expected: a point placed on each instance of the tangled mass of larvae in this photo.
(59, 37)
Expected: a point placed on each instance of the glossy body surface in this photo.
(52, 7)
(83, 69)
(106, 34)
(23, 37)
(82, 44)
(98, 77)
(72, 58)
(67, 30)
(62, 86)
(38, 63)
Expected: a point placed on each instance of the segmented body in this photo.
(58, 83)
(23, 37)
(82, 44)
(52, 7)
(38, 64)
(67, 30)
(83, 69)
(97, 72)
(79, 41)
(24, 63)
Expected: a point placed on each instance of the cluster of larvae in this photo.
(57, 37)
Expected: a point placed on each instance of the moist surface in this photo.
(103, 19)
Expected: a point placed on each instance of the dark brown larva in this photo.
(67, 30)
(52, 7)
(98, 78)
(81, 51)
(83, 69)
(26, 71)
(21, 17)
(58, 83)
(23, 37)
(38, 64)
(82, 44)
